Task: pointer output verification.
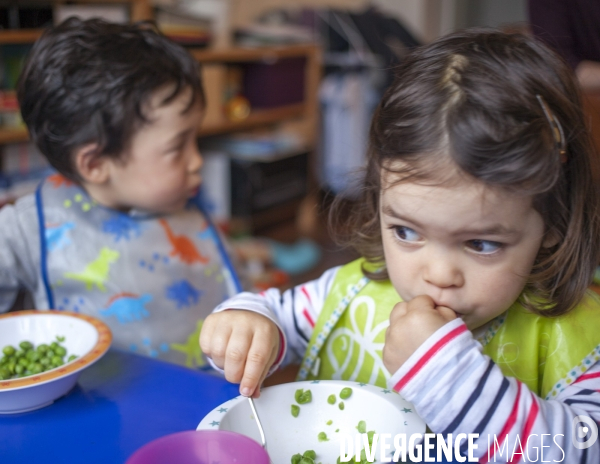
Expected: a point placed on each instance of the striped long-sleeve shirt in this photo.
(455, 388)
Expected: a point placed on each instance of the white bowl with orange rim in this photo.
(83, 336)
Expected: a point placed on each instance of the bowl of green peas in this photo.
(42, 354)
(306, 422)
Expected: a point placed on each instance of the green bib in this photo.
(547, 354)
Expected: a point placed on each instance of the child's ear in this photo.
(90, 165)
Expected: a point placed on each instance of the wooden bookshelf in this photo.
(140, 10)
(256, 118)
(247, 54)
(19, 36)
(13, 135)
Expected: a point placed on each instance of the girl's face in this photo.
(467, 246)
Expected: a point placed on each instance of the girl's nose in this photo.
(443, 271)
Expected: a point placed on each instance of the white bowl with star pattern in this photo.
(319, 425)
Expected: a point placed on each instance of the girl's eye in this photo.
(406, 234)
(484, 247)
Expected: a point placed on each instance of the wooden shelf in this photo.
(140, 10)
(245, 54)
(19, 36)
(256, 118)
(13, 135)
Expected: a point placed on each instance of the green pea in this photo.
(32, 356)
(56, 361)
(50, 353)
(42, 348)
(370, 435)
(345, 393)
(20, 354)
(310, 454)
(303, 397)
(11, 366)
(8, 350)
(19, 369)
(337, 430)
(36, 368)
(329, 422)
(72, 357)
(24, 362)
(322, 436)
(295, 410)
(60, 351)
(25, 345)
(331, 399)
(4, 359)
(296, 458)
(45, 362)
(4, 374)
(53, 345)
(362, 427)
(341, 406)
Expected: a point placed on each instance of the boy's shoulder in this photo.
(22, 213)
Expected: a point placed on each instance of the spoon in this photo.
(260, 427)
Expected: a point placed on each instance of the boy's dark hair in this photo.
(471, 97)
(88, 81)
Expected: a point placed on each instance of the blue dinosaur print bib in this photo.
(152, 279)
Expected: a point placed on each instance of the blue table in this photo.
(119, 404)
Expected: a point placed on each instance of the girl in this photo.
(478, 228)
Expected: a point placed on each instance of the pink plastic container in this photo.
(201, 447)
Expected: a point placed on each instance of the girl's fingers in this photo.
(447, 313)
(258, 363)
(235, 356)
(266, 371)
(420, 303)
(206, 335)
(217, 345)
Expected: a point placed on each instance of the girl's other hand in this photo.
(410, 325)
(242, 343)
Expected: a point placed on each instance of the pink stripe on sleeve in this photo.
(303, 289)
(510, 422)
(593, 375)
(308, 317)
(532, 416)
(427, 356)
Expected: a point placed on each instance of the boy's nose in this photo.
(443, 272)
(196, 160)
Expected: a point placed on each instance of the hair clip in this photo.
(557, 130)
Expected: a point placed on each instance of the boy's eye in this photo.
(484, 247)
(406, 234)
(176, 149)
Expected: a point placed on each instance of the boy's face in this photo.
(468, 247)
(161, 169)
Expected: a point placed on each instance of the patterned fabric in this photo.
(153, 279)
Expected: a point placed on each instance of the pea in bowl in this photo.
(36, 347)
(296, 421)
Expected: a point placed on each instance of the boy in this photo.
(118, 233)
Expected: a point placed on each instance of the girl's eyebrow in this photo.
(494, 229)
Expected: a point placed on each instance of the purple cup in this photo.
(201, 447)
